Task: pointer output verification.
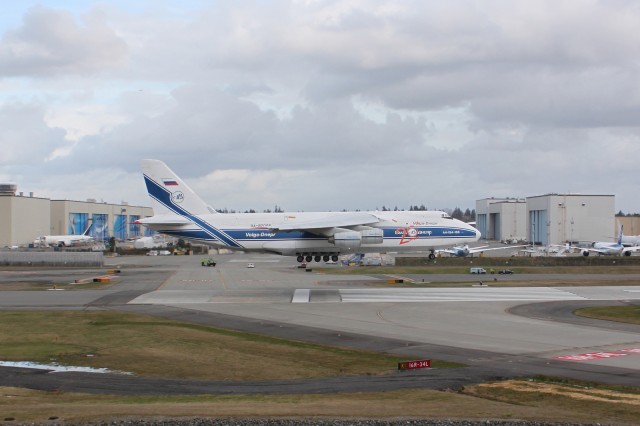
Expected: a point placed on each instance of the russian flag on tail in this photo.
(169, 182)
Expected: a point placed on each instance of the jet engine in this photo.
(372, 236)
(346, 239)
(354, 239)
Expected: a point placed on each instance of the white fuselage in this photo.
(613, 249)
(399, 231)
(62, 240)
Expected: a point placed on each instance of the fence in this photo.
(51, 259)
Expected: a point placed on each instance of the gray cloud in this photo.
(50, 43)
(255, 103)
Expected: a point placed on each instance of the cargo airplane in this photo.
(180, 213)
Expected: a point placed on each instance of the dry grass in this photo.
(571, 401)
(506, 400)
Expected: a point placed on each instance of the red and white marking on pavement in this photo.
(599, 355)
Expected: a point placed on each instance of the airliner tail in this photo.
(169, 194)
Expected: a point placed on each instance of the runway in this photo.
(497, 331)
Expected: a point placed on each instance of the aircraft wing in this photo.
(448, 251)
(482, 248)
(345, 220)
(478, 249)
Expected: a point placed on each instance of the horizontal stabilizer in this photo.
(163, 220)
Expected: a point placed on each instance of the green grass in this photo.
(147, 346)
(628, 314)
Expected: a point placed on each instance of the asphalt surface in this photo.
(489, 340)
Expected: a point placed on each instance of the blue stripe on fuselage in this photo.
(163, 196)
(232, 237)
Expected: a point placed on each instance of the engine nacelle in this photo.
(346, 239)
(372, 236)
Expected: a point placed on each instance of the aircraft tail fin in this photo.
(169, 194)
(620, 235)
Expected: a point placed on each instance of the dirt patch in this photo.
(584, 394)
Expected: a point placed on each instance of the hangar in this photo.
(26, 217)
(548, 219)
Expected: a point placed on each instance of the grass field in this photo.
(431, 269)
(146, 346)
(540, 399)
(628, 314)
(156, 347)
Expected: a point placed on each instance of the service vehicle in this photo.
(477, 271)
(207, 261)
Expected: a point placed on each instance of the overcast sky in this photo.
(322, 105)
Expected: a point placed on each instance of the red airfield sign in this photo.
(412, 365)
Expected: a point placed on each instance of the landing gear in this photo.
(306, 257)
(432, 255)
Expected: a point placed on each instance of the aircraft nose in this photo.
(478, 235)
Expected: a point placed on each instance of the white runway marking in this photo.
(475, 294)
(387, 295)
(301, 295)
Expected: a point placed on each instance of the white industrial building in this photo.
(26, 217)
(502, 218)
(548, 219)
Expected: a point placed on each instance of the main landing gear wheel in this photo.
(317, 258)
(325, 258)
(308, 258)
(300, 259)
(334, 257)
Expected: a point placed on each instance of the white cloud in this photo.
(327, 105)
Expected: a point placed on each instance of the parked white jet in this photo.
(465, 250)
(630, 240)
(64, 240)
(179, 212)
(612, 249)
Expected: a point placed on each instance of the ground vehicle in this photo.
(505, 271)
(250, 265)
(477, 271)
(207, 261)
